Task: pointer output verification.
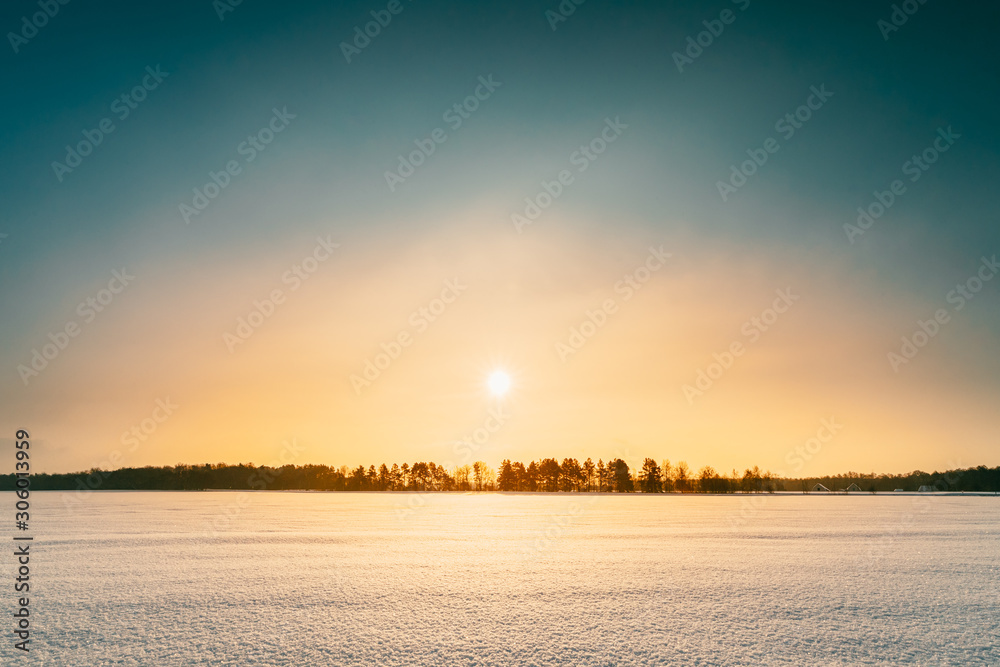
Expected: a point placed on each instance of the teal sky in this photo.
(324, 175)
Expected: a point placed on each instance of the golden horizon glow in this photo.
(619, 392)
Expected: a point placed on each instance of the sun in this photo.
(499, 383)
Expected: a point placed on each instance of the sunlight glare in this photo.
(499, 383)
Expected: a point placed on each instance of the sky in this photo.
(231, 227)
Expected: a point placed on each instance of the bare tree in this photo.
(666, 472)
(682, 478)
(462, 475)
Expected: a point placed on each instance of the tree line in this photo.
(615, 476)
(980, 479)
(544, 475)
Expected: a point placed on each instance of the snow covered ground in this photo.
(227, 578)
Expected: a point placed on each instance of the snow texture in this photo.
(228, 578)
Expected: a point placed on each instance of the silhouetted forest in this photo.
(544, 475)
(979, 479)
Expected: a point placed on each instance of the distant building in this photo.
(820, 488)
(853, 487)
(897, 490)
(926, 489)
